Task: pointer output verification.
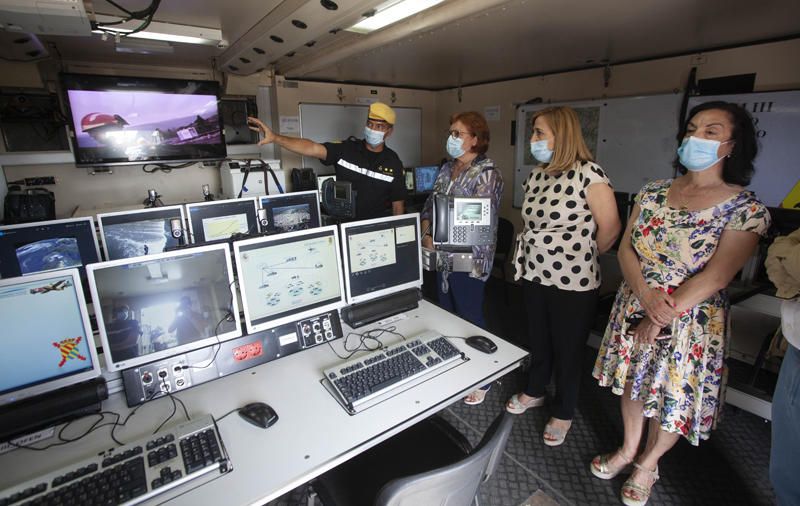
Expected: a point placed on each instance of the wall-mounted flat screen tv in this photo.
(136, 120)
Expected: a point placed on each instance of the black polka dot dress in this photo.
(557, 245)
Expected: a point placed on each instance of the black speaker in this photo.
(25, 206)
(370, 311)
(54, 407)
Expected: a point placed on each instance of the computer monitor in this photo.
(150, 308)
(288, 212)
(216, 221)
(381, 256)
(48, 246)
(424, 177)
(129, 234)
(288, 277)
(321, 179)
(47, 337)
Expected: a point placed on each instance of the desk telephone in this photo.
(339, 198)
(461, 222)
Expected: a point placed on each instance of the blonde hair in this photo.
(569, 145)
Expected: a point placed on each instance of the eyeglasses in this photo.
(380, 126)
(455, 134)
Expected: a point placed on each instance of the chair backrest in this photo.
(505, 237)
(456, 484)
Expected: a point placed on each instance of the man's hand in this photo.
(427, 241)
(257, 125)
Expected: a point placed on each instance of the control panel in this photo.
(194, 368)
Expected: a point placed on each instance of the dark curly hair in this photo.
(738, 167)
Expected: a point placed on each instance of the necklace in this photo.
(683, 198)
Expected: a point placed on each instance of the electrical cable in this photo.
(166, 169)
(364, 338)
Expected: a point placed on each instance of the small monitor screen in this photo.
(211, 222)
(424, 177)
(137, 233)
(118, 120)
(156, 307)
(469, 211)
(322, 179)
(472, 211)
(382, 256)
(48, 246)
(47, 338)
(288, 277)
(289, 212)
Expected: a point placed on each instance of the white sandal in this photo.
(517, 407)
(603, 470)
(642, 491)
(476, 397)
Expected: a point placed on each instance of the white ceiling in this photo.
(459, 42)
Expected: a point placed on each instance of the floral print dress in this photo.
(680, 379)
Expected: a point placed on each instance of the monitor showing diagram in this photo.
(289, 277)
(216, 221)
(289, 212)
(382, 256)
(47, 337)
(129, 234)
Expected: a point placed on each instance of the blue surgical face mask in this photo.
(373, 137)
(541, 152)
(455, 146)
(698, 154)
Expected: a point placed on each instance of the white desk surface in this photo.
(313, 433)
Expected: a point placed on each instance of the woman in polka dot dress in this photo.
(569, 217)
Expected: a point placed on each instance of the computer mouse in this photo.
(481, 343)
(259, 414)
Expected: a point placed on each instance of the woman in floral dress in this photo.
(664, 348)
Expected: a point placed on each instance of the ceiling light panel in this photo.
(391, 12)
(260, 47)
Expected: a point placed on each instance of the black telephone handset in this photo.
(441, 210)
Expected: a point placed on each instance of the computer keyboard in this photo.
(158, 465)
(362, 381)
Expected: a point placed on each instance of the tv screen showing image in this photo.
(118, 120)
(137, 233)
(155, 307)
(289, 212)
(48, 246)
(218, 220)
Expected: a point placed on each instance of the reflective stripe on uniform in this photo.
(364, 172)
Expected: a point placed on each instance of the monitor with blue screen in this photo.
(381, 256)
(155, 307)
(287, 277)
(424, 177)
(48, 246)
(216, 221)
(129, 234)
(47, 343)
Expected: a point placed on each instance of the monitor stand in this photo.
(363, 313)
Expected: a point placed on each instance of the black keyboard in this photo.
(191, 452)
(360, 382)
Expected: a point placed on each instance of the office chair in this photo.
(429, 463)
(505, 241)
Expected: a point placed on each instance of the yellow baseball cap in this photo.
(381, 112)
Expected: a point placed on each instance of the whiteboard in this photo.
(777, 120)
(633, 138)
(333, 122)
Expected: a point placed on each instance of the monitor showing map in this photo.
(287, 277)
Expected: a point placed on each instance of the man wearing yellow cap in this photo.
(375, 171)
